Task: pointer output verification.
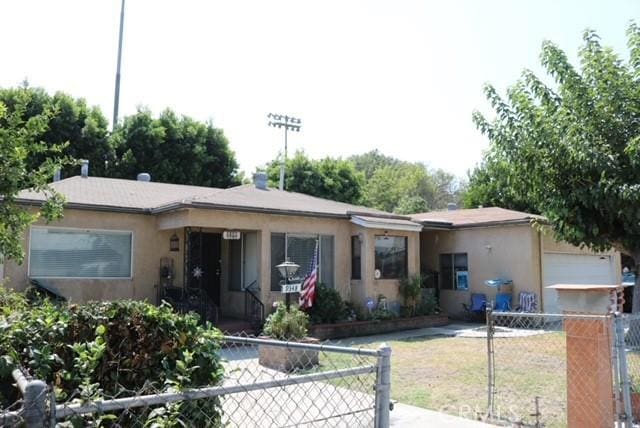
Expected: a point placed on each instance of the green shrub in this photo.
(328, 306)
(107, 349)
(410, 288)
(286, 324)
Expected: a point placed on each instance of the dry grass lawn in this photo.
(449, 374)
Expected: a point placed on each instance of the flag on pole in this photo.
(308, 291)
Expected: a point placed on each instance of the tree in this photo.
(328, 178)
(20, 132)
(572, 150)
(67, 120)
(368, 163)
(490, 185)
(173, 150)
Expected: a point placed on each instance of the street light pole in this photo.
(116, 97)
(288, 123)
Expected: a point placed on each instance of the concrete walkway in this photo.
(404, 415)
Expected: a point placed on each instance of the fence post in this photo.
(625, 383)
(490, 362)
(383, 387)
(35, 410)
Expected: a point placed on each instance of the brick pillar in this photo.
(590, 397)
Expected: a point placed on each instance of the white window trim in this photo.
(82, 229)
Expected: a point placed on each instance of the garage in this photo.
(561, 268)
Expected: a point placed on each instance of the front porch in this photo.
(214, 272)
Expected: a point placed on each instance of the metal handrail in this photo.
(253, 306)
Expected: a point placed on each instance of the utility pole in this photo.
(288, 123)
(116, 98)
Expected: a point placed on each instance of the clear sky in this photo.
(399, 76)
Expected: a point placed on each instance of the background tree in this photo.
(173, 149)
(67, 120)
(329, 178)
(572, 150)
(20, 133)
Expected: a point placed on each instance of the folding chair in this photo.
(503, 302)
(477, 307)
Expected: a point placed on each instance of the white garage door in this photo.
(573, 269)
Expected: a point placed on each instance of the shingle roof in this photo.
(251, 198)
(117, 194)
(475, 217)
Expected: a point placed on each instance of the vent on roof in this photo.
(452, 206)
(57, 174)
(144, 176)
(260, 180)
(84, 168)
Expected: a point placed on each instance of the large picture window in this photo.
(75, 253)
(391, 257)
(454, 271)
(301, 250)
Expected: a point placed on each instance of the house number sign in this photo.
(231, 234)
(291, 288)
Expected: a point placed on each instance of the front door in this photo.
(203, 263)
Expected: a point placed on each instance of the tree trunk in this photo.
(634, 325)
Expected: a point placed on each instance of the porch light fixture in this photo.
(287, 270)
(174, 243)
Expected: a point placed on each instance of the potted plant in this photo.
(287, 325)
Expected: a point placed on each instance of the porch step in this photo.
(232, 326)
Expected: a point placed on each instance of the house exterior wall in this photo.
(515, 253)
(511, 252)
(149, 245)
(369, 287)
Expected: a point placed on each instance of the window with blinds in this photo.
(75, 253)
(302, 249)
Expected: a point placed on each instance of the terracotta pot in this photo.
(288, 359)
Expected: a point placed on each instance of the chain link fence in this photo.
(552, 370)
(266, 383)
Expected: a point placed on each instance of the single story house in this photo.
(133, 238)
(467, 247)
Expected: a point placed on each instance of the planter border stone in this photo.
(366, 328)
(286, 359)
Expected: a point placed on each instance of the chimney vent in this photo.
(56, 175)
(144, 176)
(84, 168)
(452, 206)
(260, 180)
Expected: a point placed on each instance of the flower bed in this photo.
(366, 328)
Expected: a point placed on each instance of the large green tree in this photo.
(173, 149)
(67, 119)
(20, 134)
(328, 178)
(572, 148)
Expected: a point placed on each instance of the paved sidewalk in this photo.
(404, 415)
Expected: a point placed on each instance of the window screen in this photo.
(356, 258)
(277, 256)
(446, 272)
(71, 253)
(302, 251)
(326, 260)
(391, 256)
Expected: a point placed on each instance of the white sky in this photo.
(399, 76)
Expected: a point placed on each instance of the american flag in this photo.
(308, 292)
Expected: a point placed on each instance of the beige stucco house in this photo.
(495, 243)
(135, 239)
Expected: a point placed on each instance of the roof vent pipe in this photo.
(56, 175)
(260, 180)
(452, 206)
(84, 168)
(144, 176)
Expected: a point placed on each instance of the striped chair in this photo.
(527, 302)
